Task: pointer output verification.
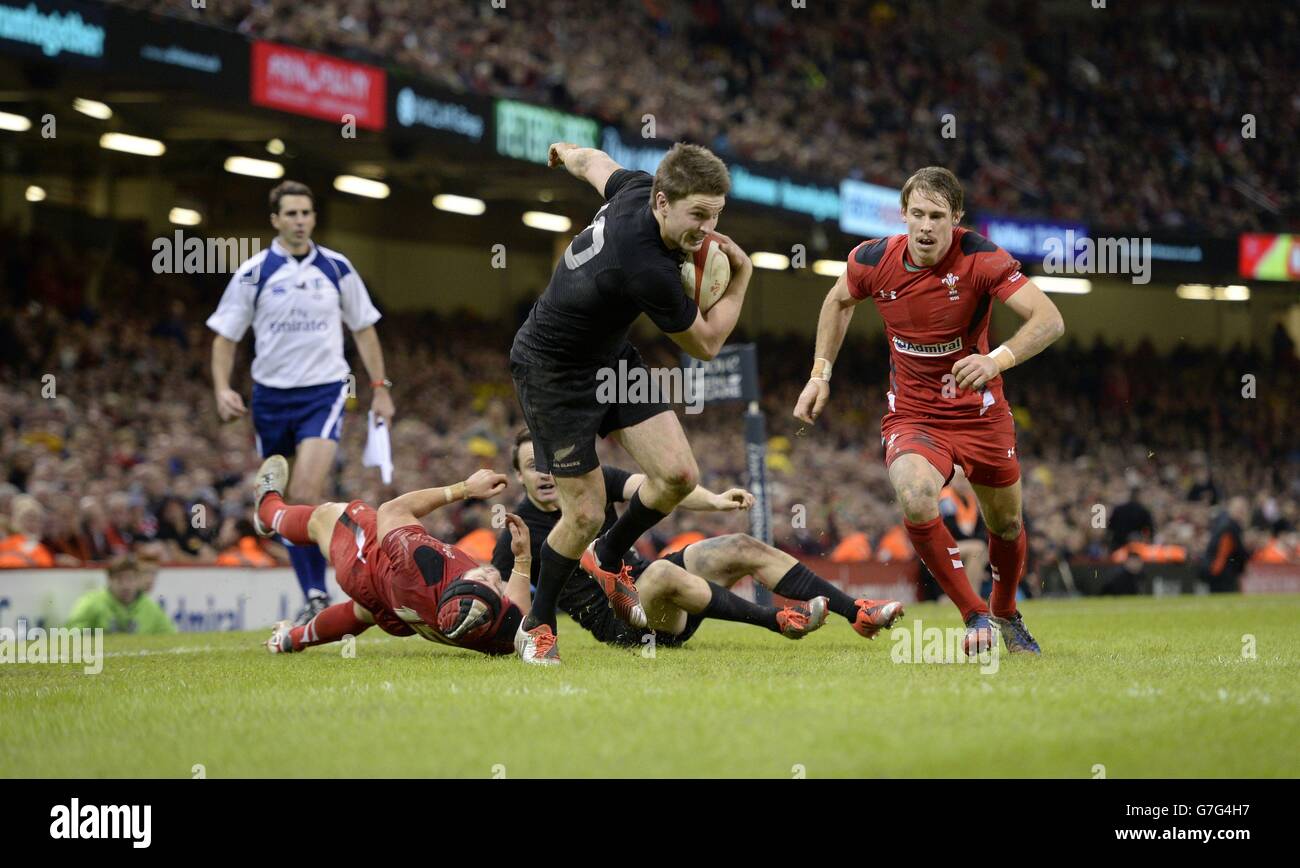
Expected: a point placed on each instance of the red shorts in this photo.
(363, 567)
(984, 447)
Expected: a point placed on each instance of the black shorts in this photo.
(562, 412)
(586, 603)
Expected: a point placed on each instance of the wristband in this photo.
(1003, 348)
(381, 384)
(821, 369)
(454, 492)
(522, 573)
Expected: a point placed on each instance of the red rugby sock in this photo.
(1007, 558)
(289, 522)
(938, 551)
(330, 625)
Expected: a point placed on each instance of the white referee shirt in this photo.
(297, 310)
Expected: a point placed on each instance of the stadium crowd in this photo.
(1133, 117)
(110, 436)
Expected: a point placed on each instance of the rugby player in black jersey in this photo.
(627, 262)
(685, 587)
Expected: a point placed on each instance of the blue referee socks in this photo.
(309, 565)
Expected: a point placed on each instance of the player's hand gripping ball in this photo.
(706, 274)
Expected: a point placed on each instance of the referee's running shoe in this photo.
(623, 597)
(316, 603)
(272, 476)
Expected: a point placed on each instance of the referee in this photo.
(297, 296)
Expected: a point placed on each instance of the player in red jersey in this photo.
(396, 574)
(934, 287)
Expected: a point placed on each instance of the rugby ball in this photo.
(706, 273)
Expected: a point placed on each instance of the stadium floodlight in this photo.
(14, 123)
(35, 193)
(185, 217)
(1194, 291)
(547, 222)
(771, 261)
(254, 168)
(358, 186)
(132, 144)
(459, 204)
(1232, 293)
(1063, 285)
(93, 108)
(275, 147)
(830, 267)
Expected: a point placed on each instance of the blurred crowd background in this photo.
(110, 434)
(110, 438)
(1133, 121)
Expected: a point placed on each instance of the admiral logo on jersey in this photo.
(912, 349)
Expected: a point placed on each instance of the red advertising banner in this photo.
(1269, 257)
(317, 85)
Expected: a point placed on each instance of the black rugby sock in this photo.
(636, 520)
(553, 571)
(726, 606)
(801, 583)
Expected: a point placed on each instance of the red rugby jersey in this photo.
(430, 567)
(935, 316)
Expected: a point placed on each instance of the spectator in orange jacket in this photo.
(23, 547)
(246, 550)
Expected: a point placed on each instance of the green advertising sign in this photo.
(524, 132)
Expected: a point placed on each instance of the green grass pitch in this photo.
(1144, 687)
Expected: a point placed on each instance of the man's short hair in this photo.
(937, 183)
(289, 188)
(522, 436)
(122, 564)
(688, 169)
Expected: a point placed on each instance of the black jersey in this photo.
(581, 597)
(613, 271)
(540, 522)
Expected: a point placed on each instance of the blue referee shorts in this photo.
(283, 418)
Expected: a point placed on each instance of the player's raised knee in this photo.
(681, 479)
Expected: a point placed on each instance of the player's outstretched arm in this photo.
(832, 325)
(704, 339)
(519, 586)
(701, 499)
(1043, 325)
(588, 164)
(409, 508)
